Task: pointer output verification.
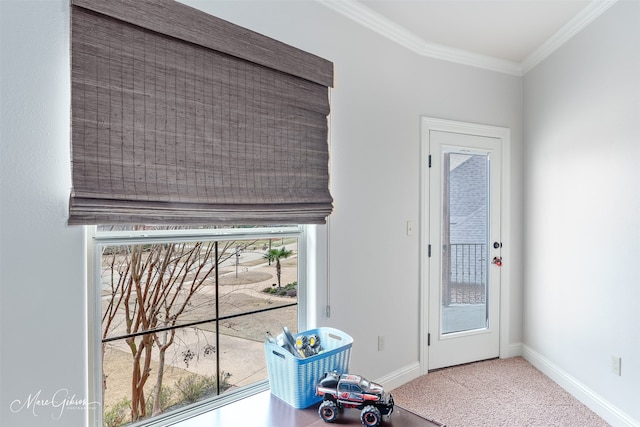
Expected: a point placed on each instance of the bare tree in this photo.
(151, 287)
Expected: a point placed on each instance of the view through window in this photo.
(184, 316)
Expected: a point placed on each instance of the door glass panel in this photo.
(465, 232)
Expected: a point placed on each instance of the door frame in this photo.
(428, 124)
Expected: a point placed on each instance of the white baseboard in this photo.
(400, 377)
(584, 394)
(511, 350)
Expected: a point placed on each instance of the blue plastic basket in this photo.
(294, 379)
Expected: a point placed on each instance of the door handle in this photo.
(497, 260)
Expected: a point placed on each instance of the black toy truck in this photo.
(353, 391)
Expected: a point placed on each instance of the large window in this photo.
(181, 314)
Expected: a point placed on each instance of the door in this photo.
(464, 245)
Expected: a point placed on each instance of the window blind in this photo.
(179, 117)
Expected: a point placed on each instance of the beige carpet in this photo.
(499, 392)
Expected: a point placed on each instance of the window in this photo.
(181, 314)
(179, 117)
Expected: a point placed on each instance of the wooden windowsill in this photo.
(265, 410)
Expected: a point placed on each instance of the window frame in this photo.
(96, 239)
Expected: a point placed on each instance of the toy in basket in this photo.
(296, 362)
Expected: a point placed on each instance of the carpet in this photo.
(498, 392)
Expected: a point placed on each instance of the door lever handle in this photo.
(497, 260)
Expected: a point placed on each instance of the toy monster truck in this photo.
(353, 391)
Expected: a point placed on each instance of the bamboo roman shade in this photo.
(179, 117)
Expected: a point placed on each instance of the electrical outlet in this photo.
(616, 365)
(380, 342)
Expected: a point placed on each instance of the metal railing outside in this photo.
(465, 273)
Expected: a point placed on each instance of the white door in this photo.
(464, 245)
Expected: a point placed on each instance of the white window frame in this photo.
(95, 239)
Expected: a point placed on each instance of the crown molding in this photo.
(464, 57)
(361, 14)
(564, 34)
(389, 29)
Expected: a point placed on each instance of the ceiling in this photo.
(510, 36)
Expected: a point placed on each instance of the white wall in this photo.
(381, 92)
(582, 204)
(42, 268)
